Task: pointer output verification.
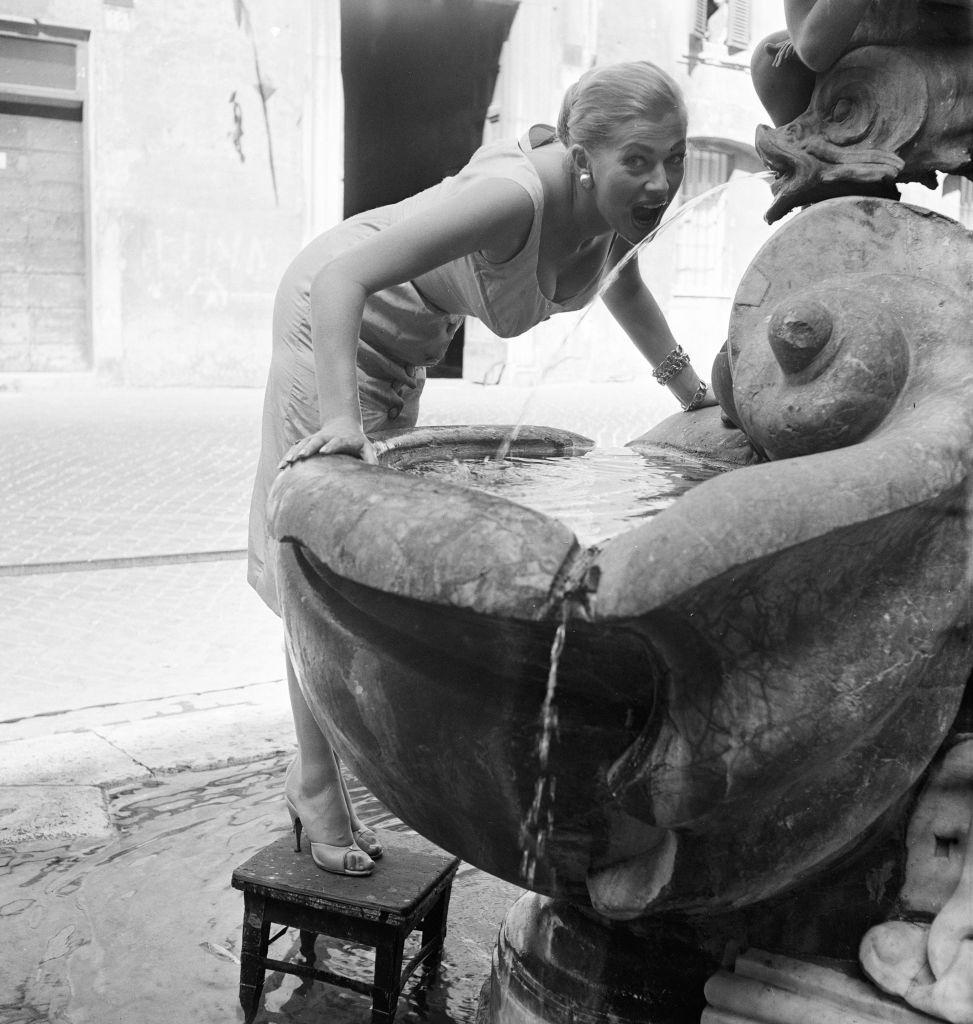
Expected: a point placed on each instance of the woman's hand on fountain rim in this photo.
(709, 401)
(685, 386)
(332, 439)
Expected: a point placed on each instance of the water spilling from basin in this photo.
(540, 817)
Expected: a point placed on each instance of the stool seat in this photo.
(408, 890)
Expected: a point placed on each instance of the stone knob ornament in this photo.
(798, 331)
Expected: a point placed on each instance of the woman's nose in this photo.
(657, 183)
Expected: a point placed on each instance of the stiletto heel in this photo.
(327, 857)
(296, 822)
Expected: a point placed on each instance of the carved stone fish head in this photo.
(862, 113)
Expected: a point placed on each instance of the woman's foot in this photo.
(328, 827)
(363, 835)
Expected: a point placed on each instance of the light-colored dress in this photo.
(404, 328)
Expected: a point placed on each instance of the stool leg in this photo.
(307, 947)
(434, 928)
(388, 979)
(253, 950)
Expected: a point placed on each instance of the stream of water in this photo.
(540, 817)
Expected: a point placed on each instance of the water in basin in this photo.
(597, 495)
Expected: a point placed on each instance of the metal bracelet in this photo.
(698, 395)
(674, 363)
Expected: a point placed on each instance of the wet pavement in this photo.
(144, 726)
(141, 926)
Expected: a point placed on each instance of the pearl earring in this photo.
(586, 181)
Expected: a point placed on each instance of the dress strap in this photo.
(536, 136)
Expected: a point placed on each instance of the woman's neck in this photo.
(571, 216)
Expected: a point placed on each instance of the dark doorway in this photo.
(418, 78)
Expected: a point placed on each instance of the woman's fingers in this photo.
(323, 444)
(296, 451)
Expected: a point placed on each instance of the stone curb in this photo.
(54, 769)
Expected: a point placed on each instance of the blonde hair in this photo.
(607, 96)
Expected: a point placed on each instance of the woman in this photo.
(525, 230)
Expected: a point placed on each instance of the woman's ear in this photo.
(579, 159)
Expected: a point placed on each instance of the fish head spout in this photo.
(863, 111)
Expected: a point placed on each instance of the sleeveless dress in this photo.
(404, 329)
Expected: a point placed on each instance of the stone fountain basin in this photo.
(751, 680)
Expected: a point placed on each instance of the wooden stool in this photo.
(408, 890)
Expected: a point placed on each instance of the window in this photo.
(702, 12)
(720, 24)
(700, 266)
(38, 62)
(738, 26)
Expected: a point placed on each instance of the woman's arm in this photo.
(493, 216)
(821, 29)
(632, 305)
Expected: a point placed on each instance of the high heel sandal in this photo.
(364, 837)
(329, 858)
(367, 842)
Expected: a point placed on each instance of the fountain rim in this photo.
(680, 548)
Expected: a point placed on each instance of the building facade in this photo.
(161, 161)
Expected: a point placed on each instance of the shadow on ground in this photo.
(143, 926)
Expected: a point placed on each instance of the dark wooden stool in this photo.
(408, 891)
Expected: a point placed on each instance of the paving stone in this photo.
(233, 734)
(264, 695)
(79, 759)
(74, 640)
(120, 472)
(30, 813)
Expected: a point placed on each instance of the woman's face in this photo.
(638, 173)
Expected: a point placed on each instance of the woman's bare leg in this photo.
(314, 784)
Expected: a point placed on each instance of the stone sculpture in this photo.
(752, 684)
(928, 960)
(897, 107)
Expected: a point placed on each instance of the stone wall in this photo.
(186, 237)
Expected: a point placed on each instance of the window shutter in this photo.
(700, 17)
(738, 26)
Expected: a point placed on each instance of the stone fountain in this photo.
(742, 788)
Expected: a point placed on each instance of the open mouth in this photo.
(777, 160)
(646, 217)
(781, 168)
